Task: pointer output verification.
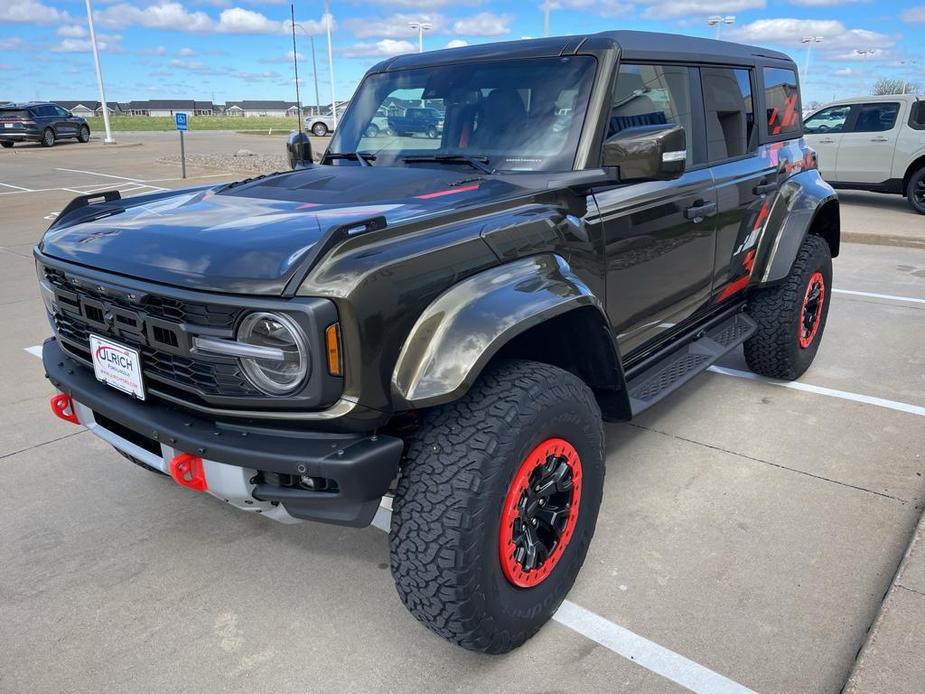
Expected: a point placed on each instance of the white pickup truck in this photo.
(874, 143)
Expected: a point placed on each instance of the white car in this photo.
(319, 126)
(874, 143)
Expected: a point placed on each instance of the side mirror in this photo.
(647, 152)
(299, 150)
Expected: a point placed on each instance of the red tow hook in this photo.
(63, 407)
(187, 471)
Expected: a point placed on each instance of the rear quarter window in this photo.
(782, 101)
(917, 116)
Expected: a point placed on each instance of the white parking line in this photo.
(873, 295)
(35, 351)
(95, 173)
(644, 652)
(10, 185)
(821, 390)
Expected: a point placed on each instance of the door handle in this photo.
(827, 142)
(879, 139)
(765, 188)
(700, 210)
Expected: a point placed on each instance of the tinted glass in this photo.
(782, 101)
(875, 118)
(729, 111)
(653, 95)
(917, 117)
(828, 120)
(522, 115)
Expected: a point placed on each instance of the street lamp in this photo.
(328, 20)
(421, 27)
(864, 53)
(809, 41)
(718, 21)
(905, 81)
(99, 76)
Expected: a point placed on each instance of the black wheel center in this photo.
(543, 512)
(811, 308)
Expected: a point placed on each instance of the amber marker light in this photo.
(332, 347)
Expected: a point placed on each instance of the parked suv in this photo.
(450, 323)
(417, 121)
(874, 143)
(39, 122)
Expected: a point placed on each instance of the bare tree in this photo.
(893, 85)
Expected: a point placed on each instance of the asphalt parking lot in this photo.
(747, 536)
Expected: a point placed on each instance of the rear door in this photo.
(66, 124)
(658, 235)
(823, 131)
(745, 184)
(865, 153)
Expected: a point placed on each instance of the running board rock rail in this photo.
(681, 363)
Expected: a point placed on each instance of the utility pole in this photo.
(328, 20)
(295, 65)
(717, 21)
(311, 40)
(99, 76)
(809, 41)
(421, 28)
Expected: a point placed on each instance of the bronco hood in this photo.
(252, 237)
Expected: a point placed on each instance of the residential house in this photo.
(252, 109)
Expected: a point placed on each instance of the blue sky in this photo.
(240, 49)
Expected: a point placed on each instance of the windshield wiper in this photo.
(365, 158)
(479, 163)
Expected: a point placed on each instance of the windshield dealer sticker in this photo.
(117, 366)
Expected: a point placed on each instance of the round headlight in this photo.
(286, 365)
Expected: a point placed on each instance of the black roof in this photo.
(634, 45)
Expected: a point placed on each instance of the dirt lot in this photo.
(748, 533)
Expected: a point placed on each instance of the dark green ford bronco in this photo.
(446, 320)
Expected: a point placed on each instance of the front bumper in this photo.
(242, 461)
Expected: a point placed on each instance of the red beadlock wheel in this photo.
(540, 512)
(813, 300)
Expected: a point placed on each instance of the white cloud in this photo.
(284, 58)
(394, 26)
(456, 43)
(384, 48)
(73, 31)
(837, 39)
(483, 24)
(187, 52)
(31, 11)
(846, 72)
(604, 8)
(157, 50)
(425, 4)
(914, 15)
(173, 16)
(823, 3)
(105, 42)
(662, 9)
(11, 43)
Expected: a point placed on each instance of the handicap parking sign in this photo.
(180, 119)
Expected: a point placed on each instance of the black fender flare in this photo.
(463, 328)
(801, 202)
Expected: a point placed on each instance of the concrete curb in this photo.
(83, 147)
(883, 239)
(885, 662)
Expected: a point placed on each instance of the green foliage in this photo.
(162, 123)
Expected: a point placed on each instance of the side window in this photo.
(828, 120)
(729, 111)
(876, 118)
(917, 116)
(62, 113)
(782, 101)
(653, 95)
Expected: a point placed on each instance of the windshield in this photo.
(509, 115)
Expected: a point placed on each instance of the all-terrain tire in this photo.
(915, 191)
(454, 484)
(782, 348)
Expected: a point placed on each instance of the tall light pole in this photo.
(328, 20)
(718, 21)
(99, 76)
(311, 40)
(421, 27)
(546, 7)
(295, 65)
(809, 41)
(864, 53)
(905, 81)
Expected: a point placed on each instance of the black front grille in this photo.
(165, 308)
(160, 344)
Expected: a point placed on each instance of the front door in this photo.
(823, 131)
(658, 235)
(865, 154)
